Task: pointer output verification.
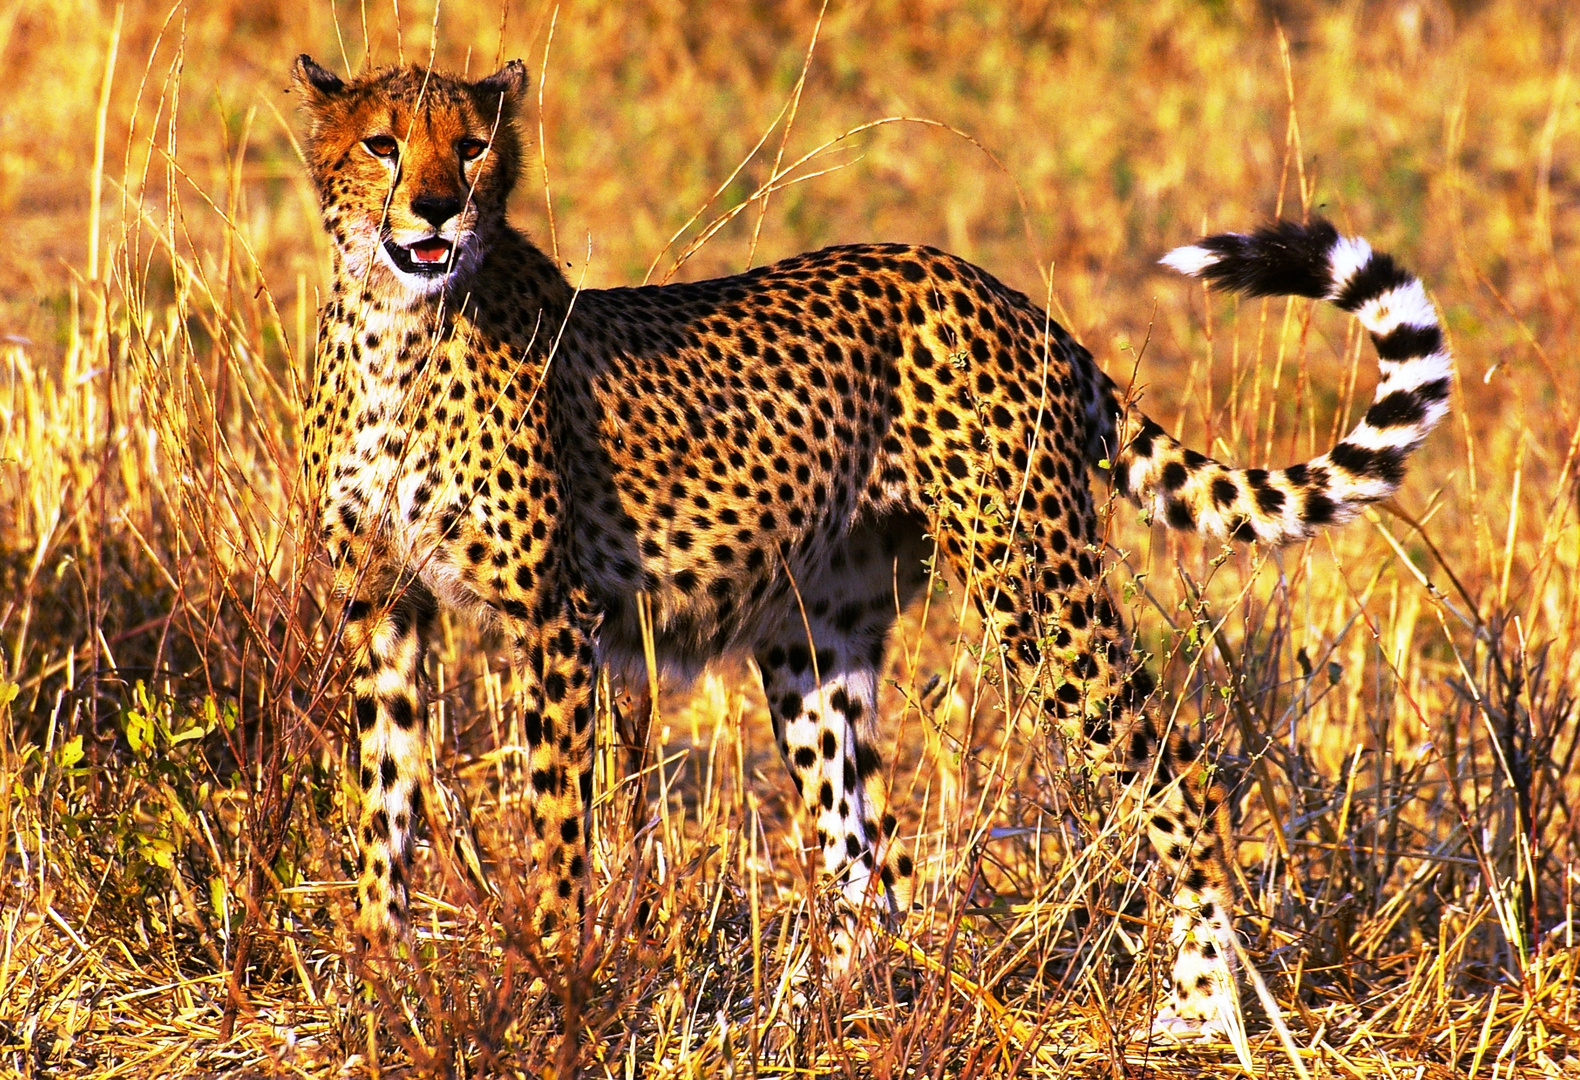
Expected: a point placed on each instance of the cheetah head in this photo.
(412, 169)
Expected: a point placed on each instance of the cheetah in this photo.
(762, 464)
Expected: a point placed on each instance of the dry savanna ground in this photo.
(1394, 704)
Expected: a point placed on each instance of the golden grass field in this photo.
(1395, 704)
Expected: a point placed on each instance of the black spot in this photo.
(1386, 464)
(1140, 746)
(867, 760)
(1401, 408)
(1174, 476)
(1405, 342)
(554, 686)
(1223, 491)
(798, 657)
(1319, 509)
(1379, 275)
(401, 712)
(1142, 446)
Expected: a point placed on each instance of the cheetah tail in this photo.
(1191, 491)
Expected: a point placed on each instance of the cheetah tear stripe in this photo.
(1278, 506)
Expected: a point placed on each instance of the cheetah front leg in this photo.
(555, 668)
(388, 627)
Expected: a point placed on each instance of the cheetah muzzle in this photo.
(769, 459)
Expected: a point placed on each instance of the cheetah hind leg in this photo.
(1205, 1003)
(1189, 829)
(1045, 587)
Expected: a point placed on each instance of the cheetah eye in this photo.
(470, 149)
(381, 146)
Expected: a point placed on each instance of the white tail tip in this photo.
(1189, 260)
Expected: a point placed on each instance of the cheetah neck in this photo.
(390, 362)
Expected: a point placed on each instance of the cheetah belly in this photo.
(878, 559)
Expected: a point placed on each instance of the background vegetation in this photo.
(1395, 704)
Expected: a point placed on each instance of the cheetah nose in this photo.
(436, 209)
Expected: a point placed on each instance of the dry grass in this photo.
(1396, 704)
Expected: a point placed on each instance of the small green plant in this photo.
(172, 783)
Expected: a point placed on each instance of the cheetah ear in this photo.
(509, 82)
(319, 84)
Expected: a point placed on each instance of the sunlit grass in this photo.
(1395, 703)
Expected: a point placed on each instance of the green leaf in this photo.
(69, 753)
(158, 850)
(137, 731)
(216, 896)
(197, 731)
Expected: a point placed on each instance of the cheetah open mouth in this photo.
(430, 257)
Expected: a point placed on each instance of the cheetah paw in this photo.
(1226, 1023)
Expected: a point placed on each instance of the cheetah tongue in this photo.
(430, 251)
